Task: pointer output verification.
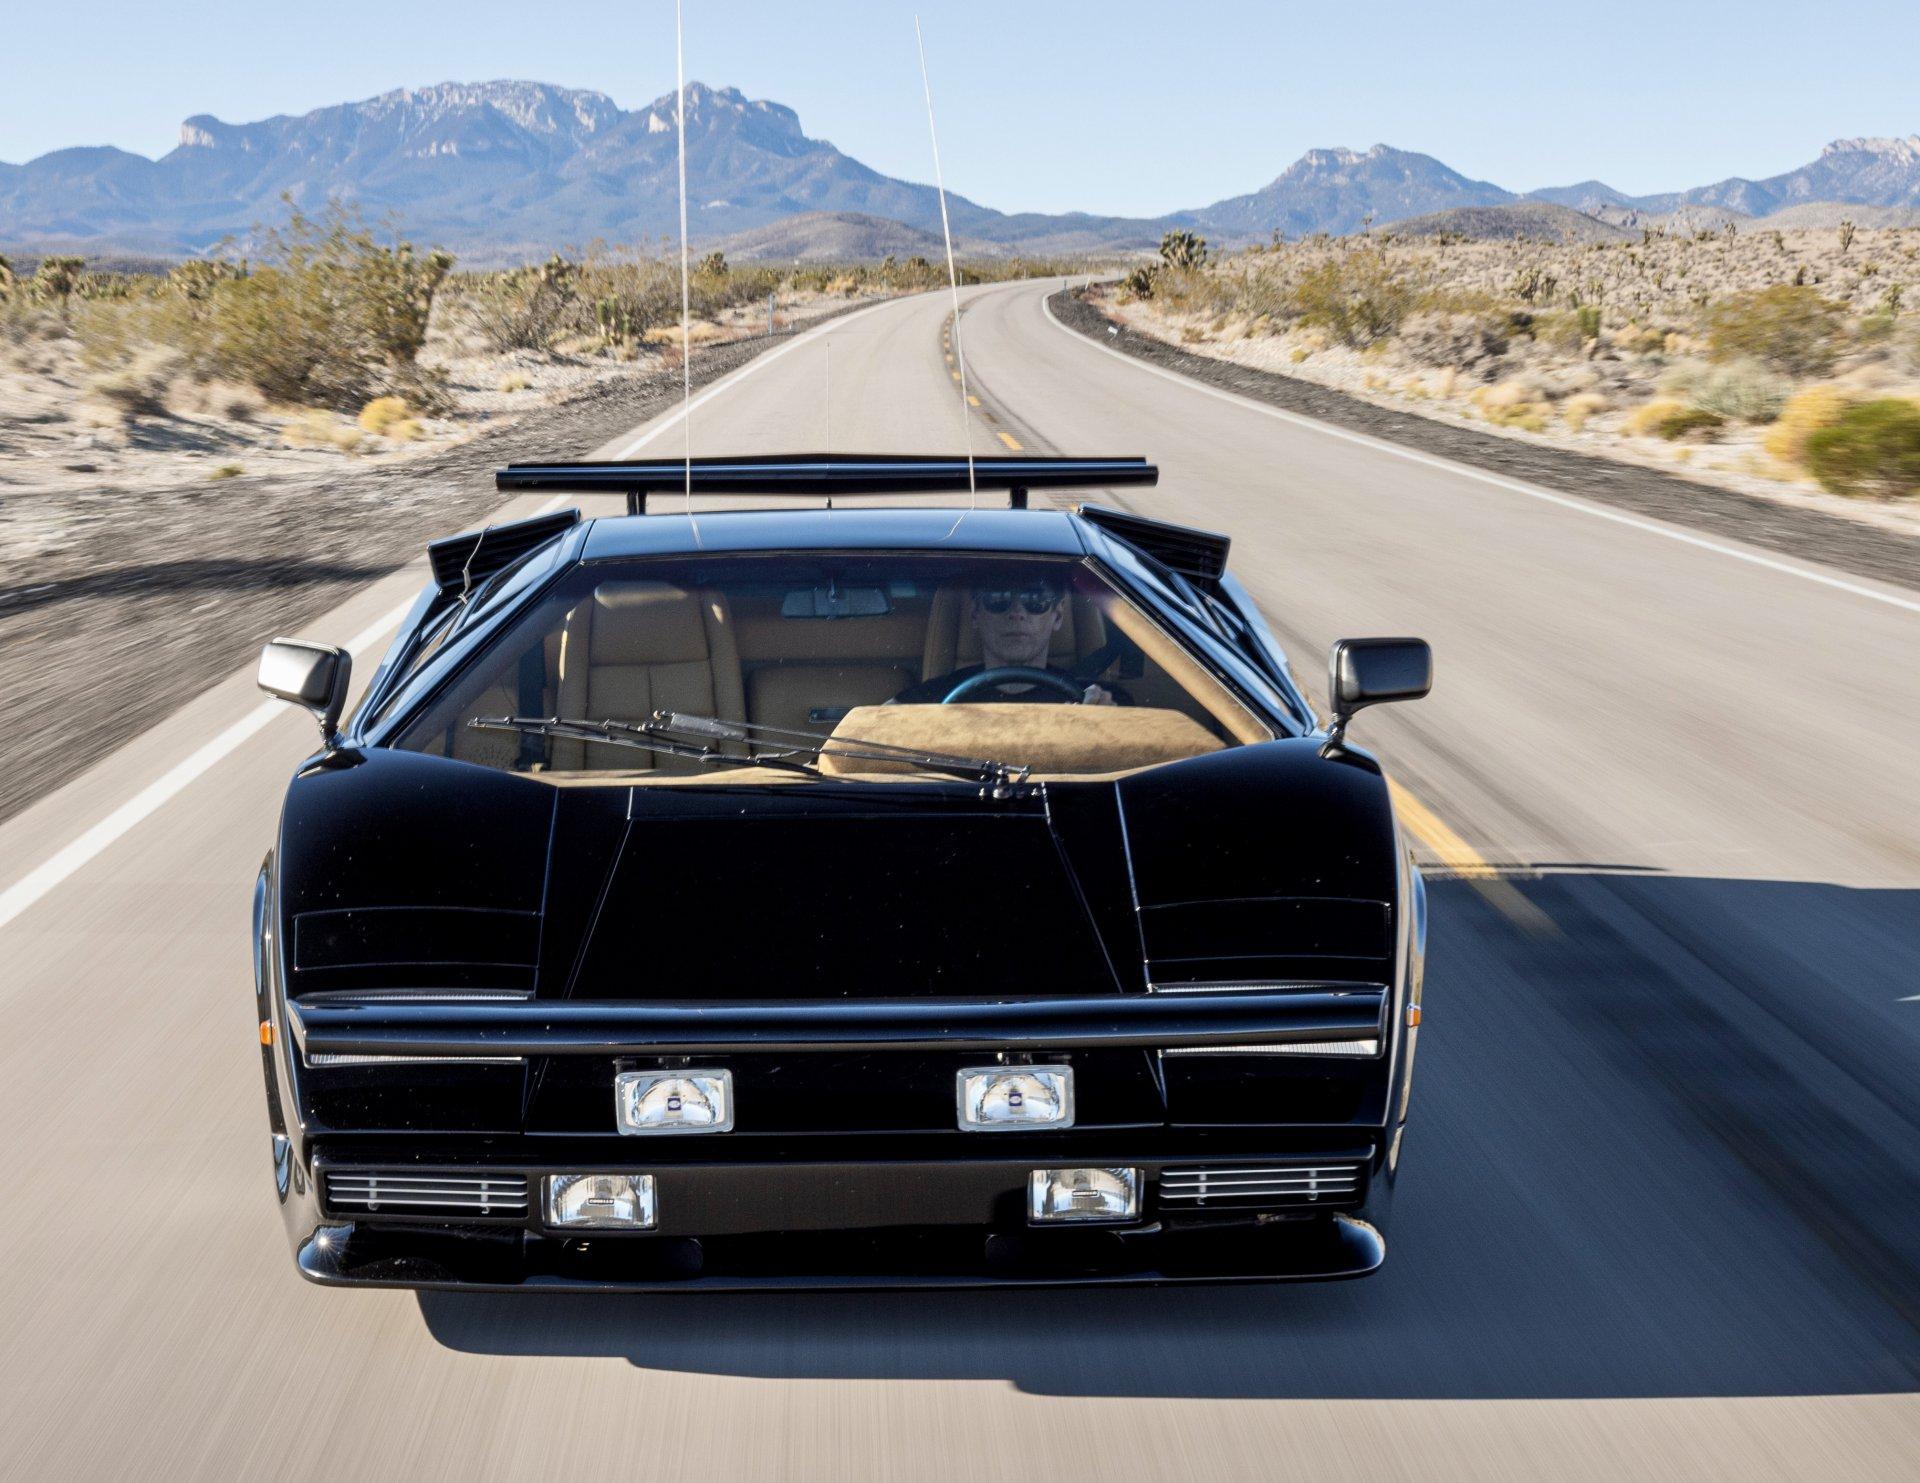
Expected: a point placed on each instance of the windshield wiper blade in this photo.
(624, 734)
(668, 733)
(808, 743)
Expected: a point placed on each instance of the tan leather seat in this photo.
(637, 647)
(813, 697)
(953, 643)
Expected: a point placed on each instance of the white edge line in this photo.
(1513, 486)
(74, 856)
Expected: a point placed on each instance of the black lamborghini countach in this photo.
(873, 896)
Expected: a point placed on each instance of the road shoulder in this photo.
(1808, 535)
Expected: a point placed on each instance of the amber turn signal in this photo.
(266, 1032)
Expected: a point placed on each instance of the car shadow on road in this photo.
(1666, 1148)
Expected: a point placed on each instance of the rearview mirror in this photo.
(1364, 672)
(310, 675)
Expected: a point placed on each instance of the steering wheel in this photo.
(1016, 674)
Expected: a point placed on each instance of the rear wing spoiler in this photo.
(823, 474)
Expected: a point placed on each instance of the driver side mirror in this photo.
(310, 675)
(1364, 672)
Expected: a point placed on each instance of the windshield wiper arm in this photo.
(624, 734)
(668, 733)
(795, 743)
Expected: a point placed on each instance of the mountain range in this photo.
(507, 170)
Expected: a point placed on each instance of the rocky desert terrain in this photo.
(1779, 363)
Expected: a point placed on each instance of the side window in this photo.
(1202, 631)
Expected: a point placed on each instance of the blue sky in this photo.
(1122, 107)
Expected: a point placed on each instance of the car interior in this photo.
(826, 651)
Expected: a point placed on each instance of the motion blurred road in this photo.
(1660, 1210)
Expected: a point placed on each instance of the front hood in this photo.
(402, 871)
(805, 893)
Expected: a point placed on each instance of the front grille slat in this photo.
(375, 1190)
(1257, 1186)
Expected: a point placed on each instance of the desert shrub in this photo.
(1357, 296)
(1791, 328)
(1516, 402)
(197, 279)
(331, 317)
(526, 309)
(1141, 281)
(1804, 415)
(1576, 410)
(1741, 391)
(515, 381)
(318, 428)
(1872, 451)
(1669, 419)
(1567, 330)
(383, 413)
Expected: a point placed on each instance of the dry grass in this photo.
(1744, 346)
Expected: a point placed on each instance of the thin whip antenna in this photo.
(953, 277)
(686, 292)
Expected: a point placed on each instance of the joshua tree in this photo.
(1846, 236)
(57, 278)
(1183, 250)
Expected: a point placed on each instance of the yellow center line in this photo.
(972, 400)
(954, 374)
(1463, 860)
(1008, 439)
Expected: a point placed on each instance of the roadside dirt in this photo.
(1807, 534)
(152, 595)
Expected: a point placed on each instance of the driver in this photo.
(1016, 621)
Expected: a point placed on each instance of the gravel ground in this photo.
(171, 590)
(1868, 551)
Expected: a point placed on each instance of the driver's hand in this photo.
(1094, 695)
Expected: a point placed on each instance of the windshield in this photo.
(1033, 665)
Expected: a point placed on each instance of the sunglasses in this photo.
(1035, 600)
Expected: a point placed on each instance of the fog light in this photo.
(601, 1202)
(1083, 1195)
(1012, 1097)
(673, 1101)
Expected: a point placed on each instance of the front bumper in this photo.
(853, 1223)
(877, 1207)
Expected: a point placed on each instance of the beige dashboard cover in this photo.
(1046, 738)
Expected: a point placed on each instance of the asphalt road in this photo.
(1660, 1212)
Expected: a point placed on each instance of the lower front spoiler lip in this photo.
(1323, 1248)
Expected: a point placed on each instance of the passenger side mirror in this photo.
(311, 675)
(1364, 672)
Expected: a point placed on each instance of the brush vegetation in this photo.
(1769, 348)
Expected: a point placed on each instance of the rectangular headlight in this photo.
(601, 1202)
(673, 1101)
(1009, 1098)
(1085, 1195)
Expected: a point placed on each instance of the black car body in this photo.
(1184, 927)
